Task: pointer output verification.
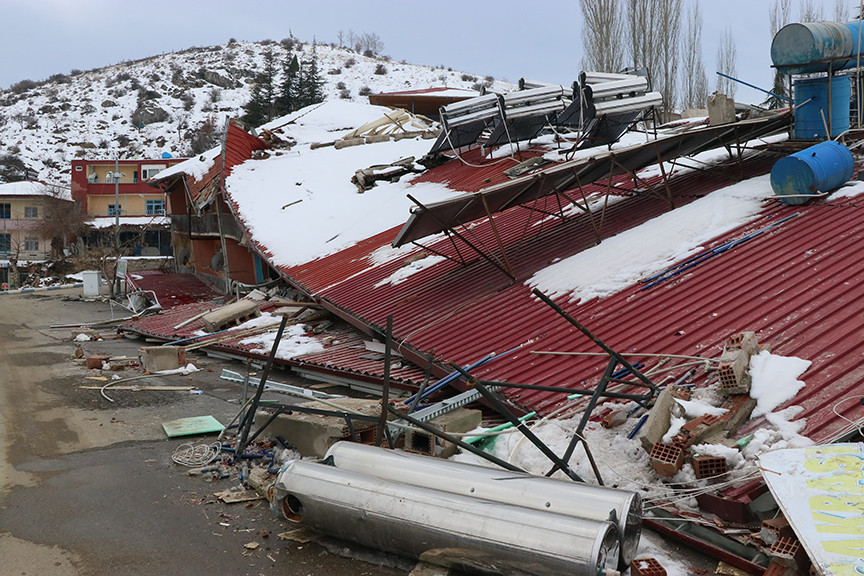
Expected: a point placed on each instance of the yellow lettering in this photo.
(851, 548)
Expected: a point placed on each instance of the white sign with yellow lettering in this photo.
(821, 492)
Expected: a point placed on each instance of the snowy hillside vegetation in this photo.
(175, 103)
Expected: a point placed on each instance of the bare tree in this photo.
(810, 11)
(370, 42)
(840, 14)
(726, 57)
(641, 40)
(341, 37)
(668, 28)
(602, 35)
(778, 16)
(694, 82)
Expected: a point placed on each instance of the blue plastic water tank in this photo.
(819, 168)
(809, 119)
(803, 48)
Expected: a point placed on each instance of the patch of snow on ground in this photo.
(775, 380)
(622, 260)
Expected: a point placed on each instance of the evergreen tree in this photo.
(261, 106)
(288, 96)
(310, 84)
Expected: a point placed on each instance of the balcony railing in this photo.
(207, 225)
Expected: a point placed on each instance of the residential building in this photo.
(109, 187)
(206, 237)
(24, 209)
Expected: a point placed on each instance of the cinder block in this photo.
(667, 459)
(733, 369)
(775, 528)
(95, 362)
(709, 466)
(646, 567)
(790, 553)
(230, 315)
(459, 420)
(158, 358)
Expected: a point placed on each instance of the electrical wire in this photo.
(853, 424)
(195, 455)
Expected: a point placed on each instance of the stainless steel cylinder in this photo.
(443, 528)
(597, 503)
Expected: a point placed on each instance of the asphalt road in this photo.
(89, 487)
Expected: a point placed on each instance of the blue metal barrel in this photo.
(811, 118)
(819, 168)
(804, 48)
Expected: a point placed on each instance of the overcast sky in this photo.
(507, 39)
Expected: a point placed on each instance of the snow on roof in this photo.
(32, 188)
(624, 259)
(108, 221)
(439, 92)
(301, 204)
(196, 167)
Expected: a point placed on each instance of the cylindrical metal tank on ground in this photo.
(564, 497)
(803, 48)
(443, 528)
(812, 112)
(820, 168)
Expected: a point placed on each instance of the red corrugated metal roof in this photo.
(466, 311)
(795, 286)
(344, 354)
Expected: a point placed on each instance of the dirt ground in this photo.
(89, 487)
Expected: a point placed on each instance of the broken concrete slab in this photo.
(313, 434)
(230, 315)
(158, 358)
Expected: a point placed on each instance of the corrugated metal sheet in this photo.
(461, 312)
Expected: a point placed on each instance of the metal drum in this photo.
(803, 48)
(442, 528)
(812, 113)
(564, 497)
(820, 168)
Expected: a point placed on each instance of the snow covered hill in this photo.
(156, 105)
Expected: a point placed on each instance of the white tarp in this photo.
(820, 490)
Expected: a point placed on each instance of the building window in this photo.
(5, 211)
(155, 207)
(114, 210)
(150, 170)
(5, 244)
(31, 212)
(31, 244)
